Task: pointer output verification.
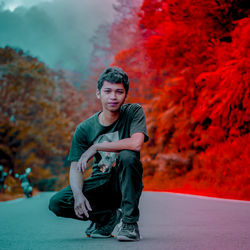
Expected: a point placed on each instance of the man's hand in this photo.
(88, 154)
(82, 206)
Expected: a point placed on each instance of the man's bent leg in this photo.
(62, 203)
(130, 171)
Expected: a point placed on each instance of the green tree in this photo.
(38, 114)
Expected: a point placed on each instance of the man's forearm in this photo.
(133, 143)
(76, 180)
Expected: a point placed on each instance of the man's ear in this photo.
(98, 94)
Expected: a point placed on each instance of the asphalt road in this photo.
(168, 221)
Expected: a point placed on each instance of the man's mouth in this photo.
(113, 103)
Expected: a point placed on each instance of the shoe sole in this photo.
(99, 236)
(125, 238)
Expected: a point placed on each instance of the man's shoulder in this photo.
(131, 107)
(89, 122)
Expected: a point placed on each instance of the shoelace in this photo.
(126, 226)
(119, 226)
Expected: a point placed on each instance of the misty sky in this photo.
(58, 32)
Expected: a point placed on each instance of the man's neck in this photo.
(106, 117)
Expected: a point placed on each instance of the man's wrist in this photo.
(94, 148)
(77, 194)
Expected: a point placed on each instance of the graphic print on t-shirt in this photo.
(108, 159)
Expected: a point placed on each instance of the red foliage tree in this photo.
(197, 56)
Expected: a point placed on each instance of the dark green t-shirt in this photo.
(90, 131)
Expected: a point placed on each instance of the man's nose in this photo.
(113, 95)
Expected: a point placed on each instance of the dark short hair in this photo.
(113, 75)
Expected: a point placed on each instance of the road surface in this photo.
(168, 222)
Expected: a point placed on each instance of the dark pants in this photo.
(121, 190)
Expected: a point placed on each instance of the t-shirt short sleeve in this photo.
(79, 144)
(138, 123)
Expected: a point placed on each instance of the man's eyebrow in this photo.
(107, 88)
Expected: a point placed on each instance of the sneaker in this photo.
(90, 229)
(128, 232)
(106, 230)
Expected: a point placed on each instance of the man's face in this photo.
(112, 96)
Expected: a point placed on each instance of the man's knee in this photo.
(54, 205)
(129, 156)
